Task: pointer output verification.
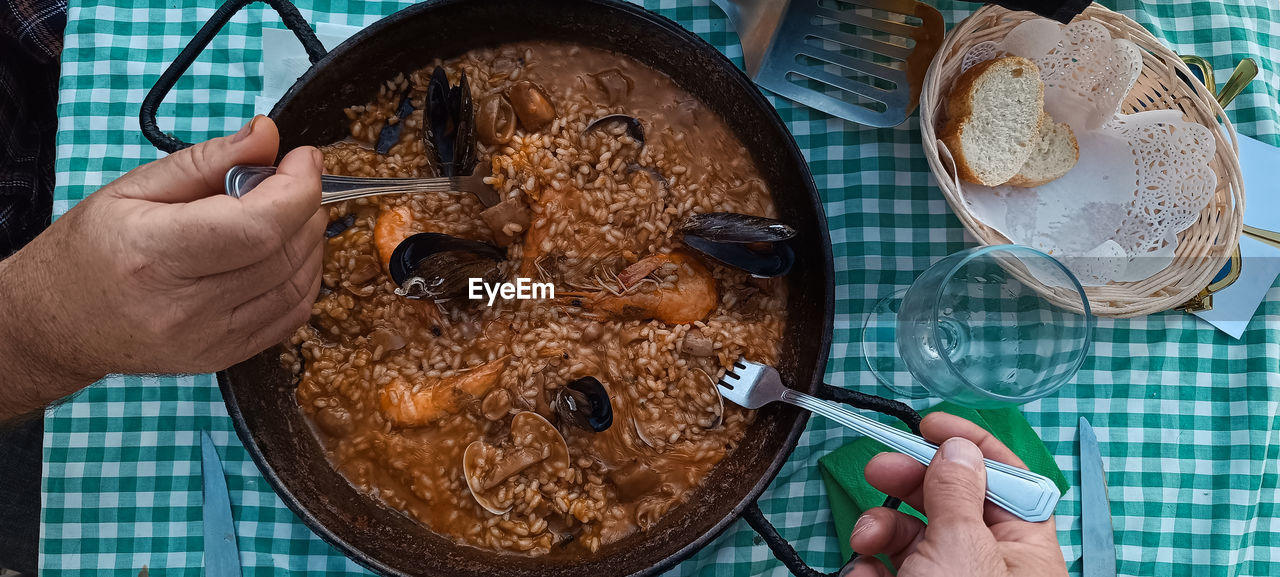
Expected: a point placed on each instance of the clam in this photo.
(437, 266)
(753, 244)
(496, 122)
(450, 124)
(713, 403)
(533, 445)
(632, 124)
(584, 403)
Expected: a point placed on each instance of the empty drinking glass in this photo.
(987, 327)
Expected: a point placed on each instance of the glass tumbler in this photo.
(987, 327)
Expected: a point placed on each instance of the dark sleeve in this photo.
(1061, 10)
(34, 27)
(31, 44)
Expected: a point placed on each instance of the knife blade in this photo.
(221, 554)
(1099, 542)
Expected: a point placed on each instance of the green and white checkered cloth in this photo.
(1187, 417)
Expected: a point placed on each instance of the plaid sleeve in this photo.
(34, 27)
(31, 42)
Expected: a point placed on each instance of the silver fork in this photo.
(1027, 495)
(242, 178)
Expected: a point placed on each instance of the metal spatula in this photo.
(861, 60)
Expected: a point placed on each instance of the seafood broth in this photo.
(487, 423)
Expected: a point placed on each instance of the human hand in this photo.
(966, 536)
(161, 272)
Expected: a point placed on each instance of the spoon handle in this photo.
(243, 178)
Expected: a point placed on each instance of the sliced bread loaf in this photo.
(1056, 153)
(994, 119)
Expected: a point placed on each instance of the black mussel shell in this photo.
(736, 228)
(429, 265)
(584, 403)
(634, 128)
(451, 131)
(390, 133)
(338, 227)
(763, 259)
(754, 244)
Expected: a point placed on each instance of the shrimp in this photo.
(415, 405)
(393, 226)
(691, 299)
(552, 205)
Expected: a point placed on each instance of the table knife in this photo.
(221, 554)
(1099, 543)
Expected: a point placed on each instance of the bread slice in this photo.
(994, 118)
(1056, 153)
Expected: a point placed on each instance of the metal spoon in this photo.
(243, 178)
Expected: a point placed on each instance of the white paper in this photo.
(1259, 162)
(1235, 305)
(284, 60)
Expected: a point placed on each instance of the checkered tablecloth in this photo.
(1187, 417)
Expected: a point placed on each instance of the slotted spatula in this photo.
(861, 60)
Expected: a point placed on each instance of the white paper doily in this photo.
(1141, 178)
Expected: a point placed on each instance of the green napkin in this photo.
(850, 494)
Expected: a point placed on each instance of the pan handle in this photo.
(147, 113)
(783, 550)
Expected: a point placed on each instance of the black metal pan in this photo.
(259, 393)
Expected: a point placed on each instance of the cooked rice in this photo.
(666, 409)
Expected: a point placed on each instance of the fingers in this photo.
(289, 197)
(897, 475)
(938, 427)
(230, 233)
(955, 486)
(201, 170)
(286, 324)
(270, 317)
(867, 567)
(886, 531)
(299, 251)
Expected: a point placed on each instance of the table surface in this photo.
(1187, 418)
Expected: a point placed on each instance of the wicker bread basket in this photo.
(1203, 248)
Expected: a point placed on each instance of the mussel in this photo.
(340, 226)
(584, 403)
(437, 266)
(390, 133)
(754, 244)
(450, 124)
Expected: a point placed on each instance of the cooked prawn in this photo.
(551, 206)
(416, 404)
(393, 226)
(691, 298)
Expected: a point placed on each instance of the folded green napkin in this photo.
(850, 494)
